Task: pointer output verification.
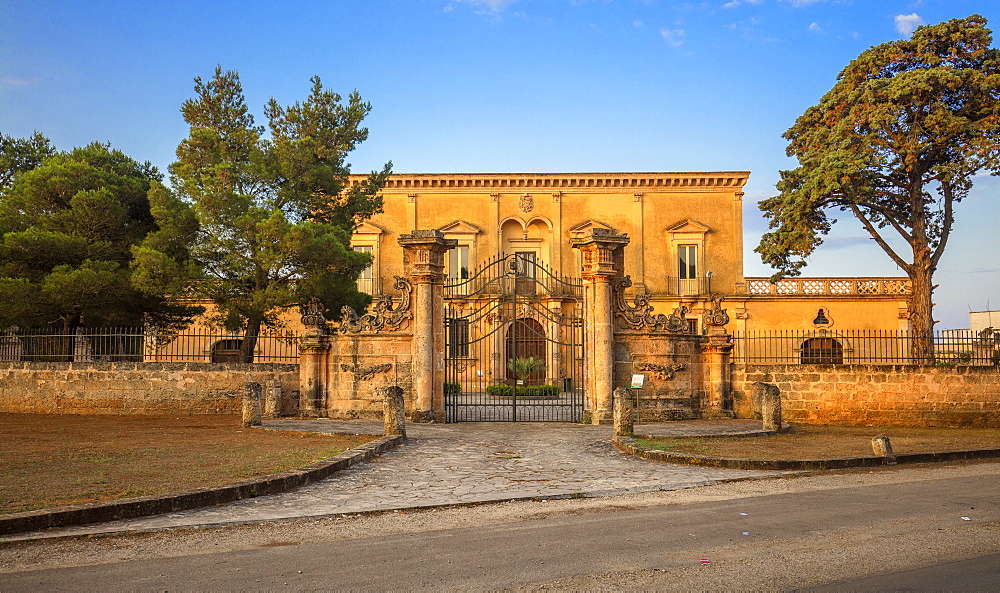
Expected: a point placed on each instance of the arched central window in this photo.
(822, 351)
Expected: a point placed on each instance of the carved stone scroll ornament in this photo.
(365, 373)
(664, 372)
(640, 315)
(312, 315)
(382, 314)
(717, 316)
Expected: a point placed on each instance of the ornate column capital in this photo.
(602, 253)
(423, 254)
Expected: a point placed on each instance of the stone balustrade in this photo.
(825, 287)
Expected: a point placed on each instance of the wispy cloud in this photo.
(488, 5)
(489, 8)
(18, 81)
(637, 24)
(815, 27)
(906, 24)
(801, 3)
(674, 37)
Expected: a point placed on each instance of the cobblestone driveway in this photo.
(457, 463)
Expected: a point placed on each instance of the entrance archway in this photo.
(525, 339)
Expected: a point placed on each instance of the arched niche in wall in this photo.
(532, 236)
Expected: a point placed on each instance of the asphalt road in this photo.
(841, 531)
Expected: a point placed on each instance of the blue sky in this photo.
(497, 86)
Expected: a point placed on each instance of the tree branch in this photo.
(949, 200)
(878, 238)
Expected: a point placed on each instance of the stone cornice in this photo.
(598, 182)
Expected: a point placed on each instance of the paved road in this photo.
(773, 534)
(460, 463)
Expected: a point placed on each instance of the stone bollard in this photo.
(770, 408)
(624, 413)
(272, 399)
(251, 404)
(394, 414)
(882, 447)
(757, 392)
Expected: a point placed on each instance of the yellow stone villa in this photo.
(685, 232)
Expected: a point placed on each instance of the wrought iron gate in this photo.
(514, 340)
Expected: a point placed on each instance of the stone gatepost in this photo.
(602, 263)
(423, 260)
(314, 361)
(717, 350)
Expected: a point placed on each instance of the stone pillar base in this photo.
(422, 416)
(717, 414)
(602, 417)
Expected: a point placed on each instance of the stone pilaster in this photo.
(602, 263)
(423, 260)
(717, 351)
(314, 361)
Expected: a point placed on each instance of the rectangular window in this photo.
(525, 280)
(687, 262)
(525, 263)
(458, 263)
(366, 280)
(458, 338)
(687, 269)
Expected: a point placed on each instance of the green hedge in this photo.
(524, 390)
(452, 388)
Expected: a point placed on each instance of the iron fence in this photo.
(114, 344)
(950, 347)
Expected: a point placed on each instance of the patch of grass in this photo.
(54, 460)
(823, 442)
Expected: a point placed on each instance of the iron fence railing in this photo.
(689, 286)
(114, 344)
(865, 347)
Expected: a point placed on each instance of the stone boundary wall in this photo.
(675, 375)
(360, 363)
(868, 395)
(139, 387)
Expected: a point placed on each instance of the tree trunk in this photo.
(249, 343)
(67, 343)
(921, 315)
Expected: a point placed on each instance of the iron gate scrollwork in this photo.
(514, 339)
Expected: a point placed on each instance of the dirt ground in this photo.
(49, 460)
(818, 442)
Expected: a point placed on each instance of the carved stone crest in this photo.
(526, 203)
(365, 373)
(383, 313)
(664, 372)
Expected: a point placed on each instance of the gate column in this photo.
(603, 261)
(423, 261)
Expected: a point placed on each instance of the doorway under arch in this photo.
(525, 338)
